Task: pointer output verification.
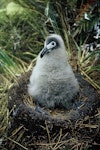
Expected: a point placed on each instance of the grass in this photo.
(21, 39)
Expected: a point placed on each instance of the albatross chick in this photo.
(52, 82)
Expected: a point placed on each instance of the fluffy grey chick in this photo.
(52, 83)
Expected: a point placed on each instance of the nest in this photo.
(57, 129)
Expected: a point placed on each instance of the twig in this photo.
(17, 143)
(48, 133)
(16, 131)
(58, 139)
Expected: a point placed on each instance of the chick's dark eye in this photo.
(53, 43)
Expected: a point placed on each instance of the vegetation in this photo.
(23, 26)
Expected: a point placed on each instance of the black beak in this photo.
(47, 48)
(44, 51)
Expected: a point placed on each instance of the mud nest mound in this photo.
(57, 129)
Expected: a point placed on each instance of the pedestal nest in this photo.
(59, 129)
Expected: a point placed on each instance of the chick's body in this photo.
(52, 83)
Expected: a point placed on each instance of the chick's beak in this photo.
(47, 49)
(44, 51)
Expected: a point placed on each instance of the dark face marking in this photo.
(51, 39)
